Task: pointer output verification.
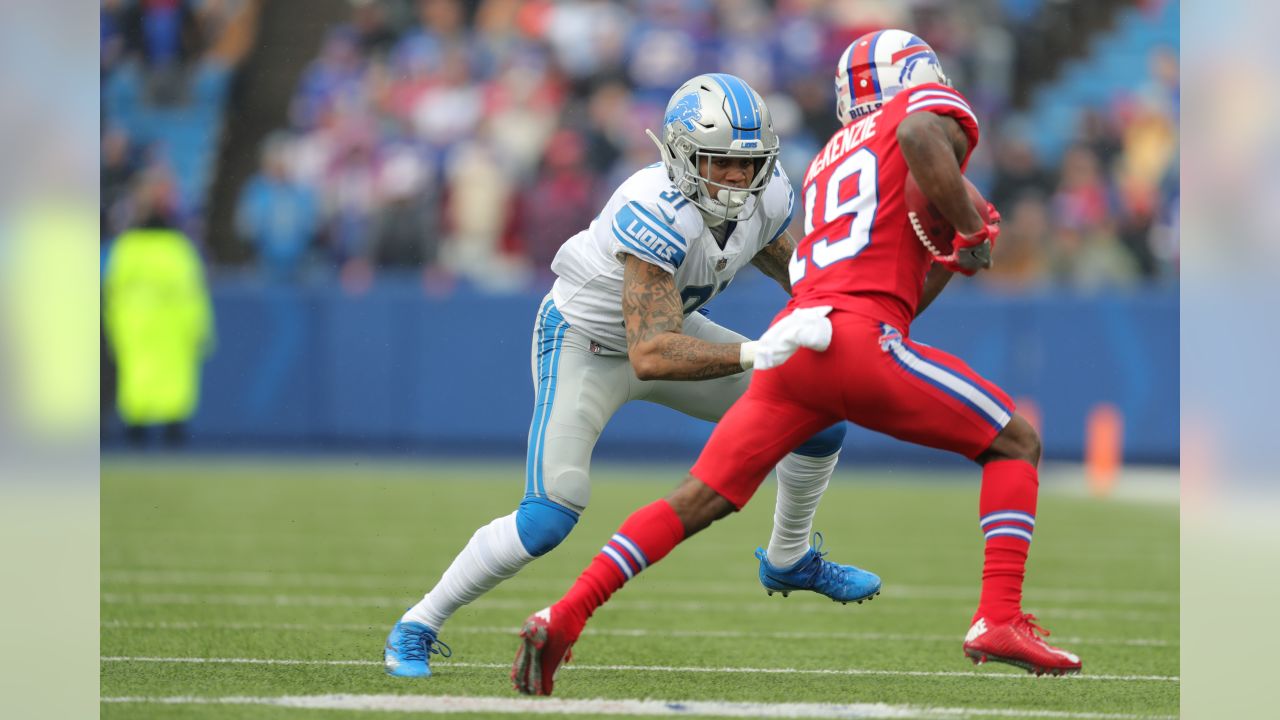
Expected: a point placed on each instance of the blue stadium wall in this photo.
(396, 370)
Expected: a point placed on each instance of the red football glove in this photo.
(993, 215)
(971, 253)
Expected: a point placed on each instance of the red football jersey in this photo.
(859, 252)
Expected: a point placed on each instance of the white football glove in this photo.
(803, 328)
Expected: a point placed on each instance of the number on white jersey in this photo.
(859, 171)
(695, 297)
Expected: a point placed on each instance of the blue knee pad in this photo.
(543, 524)
(826, 443)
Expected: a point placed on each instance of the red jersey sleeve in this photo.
(942, 100)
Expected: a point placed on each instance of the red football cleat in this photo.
(544, 648)
(1016, 642)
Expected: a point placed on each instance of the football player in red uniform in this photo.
(860, 276)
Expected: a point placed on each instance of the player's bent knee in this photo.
(697, 504)
(1028, 440)
(568, 485)
(825, 443)
(1033, 446)
(543, 524)
(1017, 441)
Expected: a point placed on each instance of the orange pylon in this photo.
(1103, 448)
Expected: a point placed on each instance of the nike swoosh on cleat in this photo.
(783, 585)
(1063, 653)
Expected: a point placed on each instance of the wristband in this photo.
(747, 354)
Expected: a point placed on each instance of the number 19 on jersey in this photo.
(847, 204)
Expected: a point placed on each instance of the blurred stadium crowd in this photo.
(468, 139)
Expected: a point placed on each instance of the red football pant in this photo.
(874, 377)
(870, 375)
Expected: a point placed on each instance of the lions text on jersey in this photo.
(648, 218)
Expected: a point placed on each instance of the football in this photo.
(931, 227)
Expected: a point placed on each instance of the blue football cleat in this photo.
(409, 646)
(842, 583)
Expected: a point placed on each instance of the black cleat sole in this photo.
(787, 593)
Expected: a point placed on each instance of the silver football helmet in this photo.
(716, 115)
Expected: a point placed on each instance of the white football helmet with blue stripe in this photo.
(879, 65)
(717, 114)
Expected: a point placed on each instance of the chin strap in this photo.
(733, 199)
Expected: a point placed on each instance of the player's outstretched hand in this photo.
(803, 328)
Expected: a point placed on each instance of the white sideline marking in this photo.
(259, 578)
(442, 704)
(614, 632)
(382, 601)
(653, 668)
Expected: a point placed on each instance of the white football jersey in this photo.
(648, 218)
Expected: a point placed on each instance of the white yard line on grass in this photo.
(612, 632)
(655, 668)
(257, 578)
(718, 605)
(445, 704)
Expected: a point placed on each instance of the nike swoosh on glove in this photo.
(803, 328)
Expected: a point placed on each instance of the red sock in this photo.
(645, 538)
(1007, 515)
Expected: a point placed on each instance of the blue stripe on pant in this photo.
(948, 381)
(550, 338)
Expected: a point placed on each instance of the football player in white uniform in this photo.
(620, 324)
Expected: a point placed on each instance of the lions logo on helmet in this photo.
(879, 65)
(715, 115)
(685, 110)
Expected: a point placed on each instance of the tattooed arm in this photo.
(774, 260)
(654, 317)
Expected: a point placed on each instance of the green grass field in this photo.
(227, 585)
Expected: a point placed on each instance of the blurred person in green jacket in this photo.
(157, 315)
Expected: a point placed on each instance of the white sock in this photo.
(801, 482)
(493, 554)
